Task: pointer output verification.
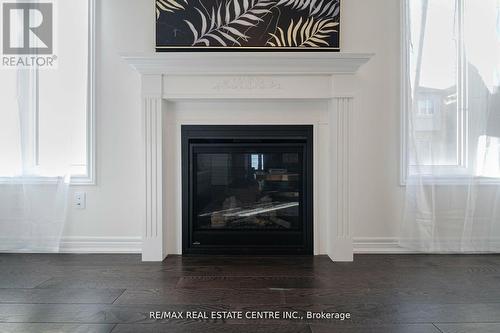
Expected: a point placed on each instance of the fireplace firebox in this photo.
(247, 189)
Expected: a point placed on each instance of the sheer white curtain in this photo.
(32, 215)
(33, 203)
(453, 126)
(43, 135)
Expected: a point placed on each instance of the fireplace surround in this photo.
(275, 88)
(247, 189)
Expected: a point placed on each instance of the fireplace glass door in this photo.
(247, 188)
(246, 195)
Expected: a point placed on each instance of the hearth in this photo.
(247, 189)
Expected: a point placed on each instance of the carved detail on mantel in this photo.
(152, 245)
(247, 83)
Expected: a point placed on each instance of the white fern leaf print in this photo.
(316, 8)
(311, 33)
(226, 24)
(168, 6)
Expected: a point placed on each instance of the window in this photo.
(451, 70)
(425, 107)
(47, 117)
(257, 161)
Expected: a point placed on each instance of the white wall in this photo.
(115, 206)
(377, 198)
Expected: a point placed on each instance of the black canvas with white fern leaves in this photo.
(257, 24)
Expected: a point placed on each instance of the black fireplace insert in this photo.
(247, 189)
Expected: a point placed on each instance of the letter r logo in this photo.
(27, 28)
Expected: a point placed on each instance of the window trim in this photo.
(405, 105)
(90, 177)
(404, 93)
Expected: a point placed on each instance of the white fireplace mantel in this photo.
(258, 78)
(214, 63)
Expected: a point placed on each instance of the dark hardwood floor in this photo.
(383, 293)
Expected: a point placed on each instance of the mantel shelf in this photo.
(280, 63)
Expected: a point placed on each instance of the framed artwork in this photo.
(240, 25)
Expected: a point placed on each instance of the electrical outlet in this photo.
(79, 200)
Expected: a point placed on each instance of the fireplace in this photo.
(247, 189)
(182, 89)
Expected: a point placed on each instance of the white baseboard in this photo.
(375, 245)
(101, 245)
(361, 245)
(134, 245)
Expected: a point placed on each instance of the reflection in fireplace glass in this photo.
(241, 190)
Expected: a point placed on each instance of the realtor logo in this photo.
(27, 28)
(28, 34)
